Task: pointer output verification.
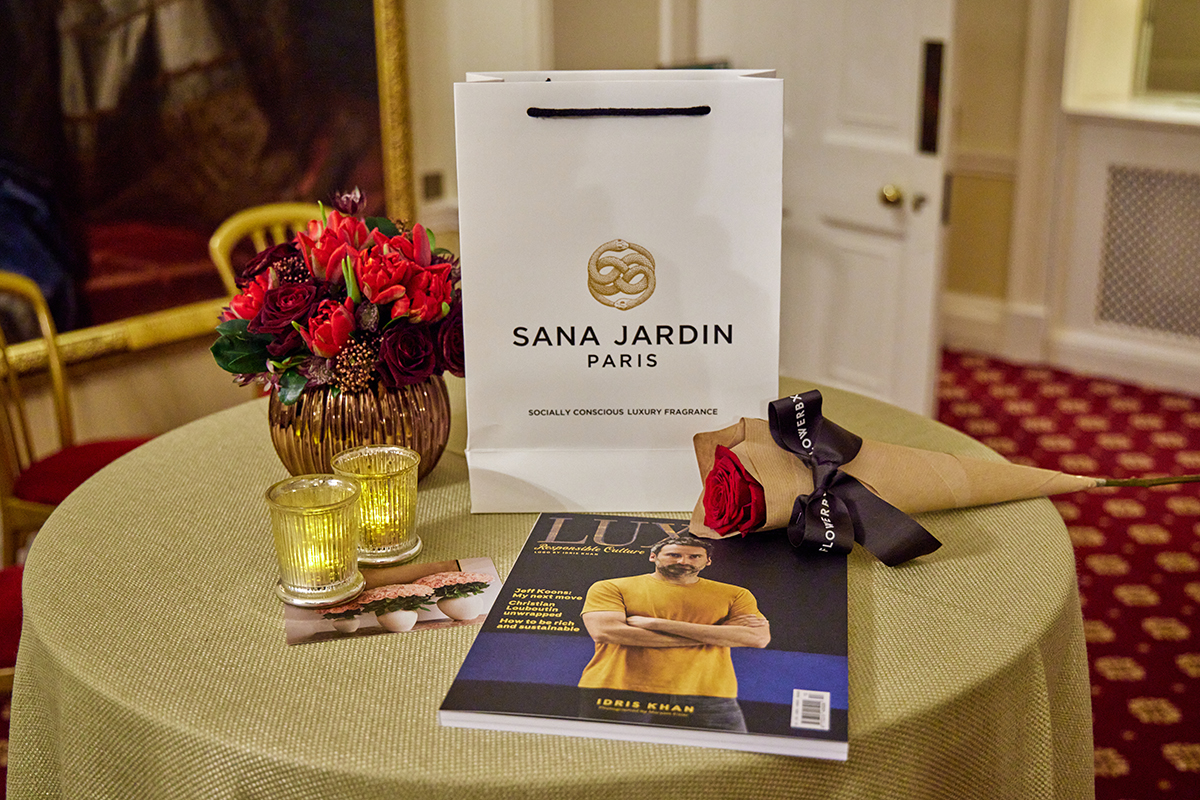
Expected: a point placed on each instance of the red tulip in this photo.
(414, 245)
(329, 328)
(247, 304)
(382, 277)
(430, 291)
(327, 246)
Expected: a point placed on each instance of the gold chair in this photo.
(31, 487)
(280, 220)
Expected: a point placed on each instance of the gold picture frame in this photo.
(195, 320)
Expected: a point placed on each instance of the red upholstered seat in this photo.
(141, 267)
(30, 488)
(10, 614)
(54, 477)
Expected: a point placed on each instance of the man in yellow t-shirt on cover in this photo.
(663, 641)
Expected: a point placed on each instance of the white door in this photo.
(863, 181)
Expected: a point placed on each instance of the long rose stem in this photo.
(1149, 481)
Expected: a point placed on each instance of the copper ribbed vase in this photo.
(321, 424)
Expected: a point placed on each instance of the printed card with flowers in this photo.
(398, 599)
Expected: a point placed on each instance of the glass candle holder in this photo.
(315, 522)
(387, 476)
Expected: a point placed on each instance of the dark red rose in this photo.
(733, 499)
(450, 342)
(283, 305)
(285, 344)
(407, 355)
(264, 260)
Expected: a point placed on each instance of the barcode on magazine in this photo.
(810, 710)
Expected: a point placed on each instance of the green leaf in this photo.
(432, 240)
(383, 225)
(289, 362)
(351, 280)
(291, 386)
(461, 590)
(233, 326)
(241, 353)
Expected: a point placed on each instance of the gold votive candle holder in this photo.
(387, 509)
(314, 519)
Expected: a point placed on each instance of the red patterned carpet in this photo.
(1137, 551)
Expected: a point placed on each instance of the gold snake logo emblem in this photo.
(630, 274)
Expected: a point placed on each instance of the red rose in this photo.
(329, 328)
(286, 344)
(733, 499)
(264, 260)
(282, 305)
(406, 355)
(450, 342)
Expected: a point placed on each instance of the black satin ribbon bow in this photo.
(840, 510)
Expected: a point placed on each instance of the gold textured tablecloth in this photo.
(153, 664)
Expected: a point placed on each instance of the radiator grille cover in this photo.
(1150, 270)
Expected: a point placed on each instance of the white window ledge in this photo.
(1161, 109)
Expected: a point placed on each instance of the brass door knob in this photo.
(890, 195)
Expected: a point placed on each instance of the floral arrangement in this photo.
(344, 611)
(446, 585)
(395, 597)
(349, 303)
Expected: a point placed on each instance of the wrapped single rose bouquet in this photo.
(349, 303)
(829, 487)
(750, 483)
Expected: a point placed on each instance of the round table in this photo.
(153, 661)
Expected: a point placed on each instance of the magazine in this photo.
(740, 647)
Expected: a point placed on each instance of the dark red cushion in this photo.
(10, 614)
(56, 476)
(148, 241)
(142, 267)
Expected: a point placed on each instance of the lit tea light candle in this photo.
(387, 478)
(314, 519)
(318, 568)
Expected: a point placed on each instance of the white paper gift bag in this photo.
(620, 240)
